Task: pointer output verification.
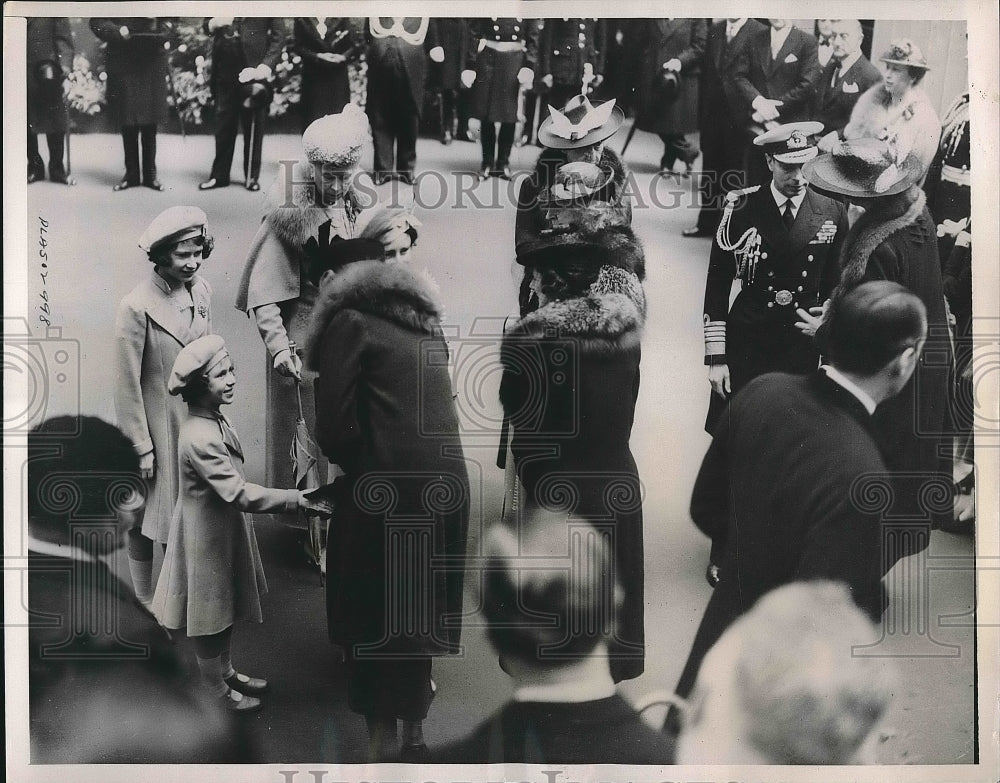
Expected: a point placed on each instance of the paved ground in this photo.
(94, 261)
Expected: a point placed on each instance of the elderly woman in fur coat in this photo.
(896, 239)
(897, 110)
(385, 413)
(569, 387)
(275, 290)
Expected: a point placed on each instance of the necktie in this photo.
(730, 34)
(836, 75)
(786, 215)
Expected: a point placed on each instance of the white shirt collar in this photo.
(733, 28)
(849, 61)
(844, 382)
(590, 688)
(778, 38)
(780, 199)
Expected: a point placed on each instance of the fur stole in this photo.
(391, 291)
(883, 219)
(608, 319)
(551, 159)
(912, 126)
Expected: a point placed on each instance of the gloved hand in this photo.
(525, 77)
(436, 54)
(468, 77)
(288, 364)
(718, 376)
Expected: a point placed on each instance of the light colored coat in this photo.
(149, 333)
(912, 125)
(212, 573)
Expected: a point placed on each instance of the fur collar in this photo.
(609, 318)
(874, 111)
(875, 226)
(292, 213)
(390, 291)
(551, 159)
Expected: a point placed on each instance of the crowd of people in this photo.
(820, 387)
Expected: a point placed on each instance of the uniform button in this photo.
(805, 273)
(800, 289)
(771, 273)
(582, 26)
(555, 52)
(496, 27)
(763, 255)
(809, 257)
(770, 304)
(513, 38)
(516, 28)
(770, 288)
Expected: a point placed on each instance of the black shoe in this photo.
(696, 231)
(253, 185)
(414, 754)
(153, 184)
(125, 184)
(62, 179)
(503, 172)
(242, 683)
(212, 183)
(238, 702)
(485, 172)
(35, 174)
(380, 177)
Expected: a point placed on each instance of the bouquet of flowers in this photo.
(85, 92)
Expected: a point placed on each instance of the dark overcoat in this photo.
(454, 37)
(566, 45)
(384, 53)
(898, 242)
(776, 493)
(718, 100)
(605, 731)
(655, 42)
(248, 42)
(794, 268)
(326, 87)
(790, 77)
(49, 41)
(495, 91)
(835, 97)
(569, 387)
(385, 413)
(136, 67)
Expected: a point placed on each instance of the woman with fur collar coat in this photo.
(385, 413)
(569, 387)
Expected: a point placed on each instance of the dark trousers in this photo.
(231, 116)
(496, 148)
(557, 97)
(721, 169)
(676, 147)
(395, 124)
(56, 143)
(130, 141)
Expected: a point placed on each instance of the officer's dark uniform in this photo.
(565, 46)
(502, 47)
(780, 269)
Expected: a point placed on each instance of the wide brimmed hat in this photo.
(905, 52)
(790, 143)
(580, 124)
(863, 168)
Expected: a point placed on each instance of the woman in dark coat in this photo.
(669, 53)
(569, 387)
(327, 46)
(385, 413)
(895, 239)
(136, 64)
(49, 50)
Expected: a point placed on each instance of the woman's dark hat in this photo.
(863, 168)
(331, 254)
(580, 124)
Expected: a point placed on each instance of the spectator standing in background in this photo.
(570, 60)
(824, 41)
(844, 79)
(446, 78)
(245, 50)
(328, 45)
(670, 53)
(722, 128)
(49, 58)
(776, 76)
(136, 63)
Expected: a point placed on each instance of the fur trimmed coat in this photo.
(569, 387)
(385, 413)
(896, 239)
(912, 125)
(275, 290)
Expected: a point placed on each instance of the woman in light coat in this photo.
(167, 310)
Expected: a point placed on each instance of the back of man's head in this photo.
(79, 469)
(871, 325)
(787, 685)
(549, 593)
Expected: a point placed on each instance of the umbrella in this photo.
(306, 471)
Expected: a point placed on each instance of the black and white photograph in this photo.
(453, 397)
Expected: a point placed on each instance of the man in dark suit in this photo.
(845, 78)
(49, 57)
(722, 131)
(570, 60)
(105, 683)
(782, 241)
(245, 50)
(549, 605)
(781, 491)
(398, 47)
(776, 77)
